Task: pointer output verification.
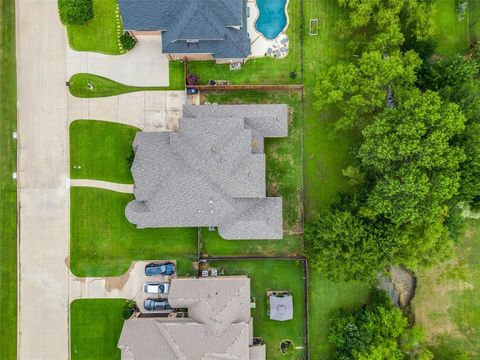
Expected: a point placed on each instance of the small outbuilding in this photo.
(280, 305)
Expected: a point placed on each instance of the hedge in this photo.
(75, 12)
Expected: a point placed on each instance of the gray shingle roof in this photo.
(206, 174)
(220, 26)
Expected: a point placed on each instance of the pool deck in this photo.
(260, 44)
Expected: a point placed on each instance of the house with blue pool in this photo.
(192, 29)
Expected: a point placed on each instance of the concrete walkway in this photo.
(43, 197)
(146, 110)
(144, 65)
(123, 188)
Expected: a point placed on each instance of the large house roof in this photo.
(208, 173)
(217, 27)
(218, 327)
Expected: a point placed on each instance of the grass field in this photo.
(95, 327)
(273, 275)
(101, 149)
(99, 34)
(261, 70)
(80, 84)
(452, 316)
(103, 242)
(283, 155)
(8, 187)
(215, 245)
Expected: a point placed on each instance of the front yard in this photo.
(104, 243)
(101, 150)
(266, 275)
(95, 327)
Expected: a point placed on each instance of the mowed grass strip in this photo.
(283, 155)
(95, 327)
(8, 186)
(85, 85)
(104, 243)
(265, 70)
(99, 34)
(269, 274)
(100, 150)
(451, 318)
(215, 245)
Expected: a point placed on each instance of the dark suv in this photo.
(153, 269)
(156, 304)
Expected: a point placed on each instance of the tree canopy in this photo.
(75, 12)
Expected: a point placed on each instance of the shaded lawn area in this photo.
(79, 84)
(325, 297)
(283, 155)
(446, 300)
(95, 327)
(103, 242)
(273, 275)
(451, 34)
(215, 245)
(102, 150)
(99, 34)
(261, 70)
(8, 187)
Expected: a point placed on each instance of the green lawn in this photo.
(79, 84)
(101, 150)
(273, 275)
(446, 300)
(283, 155)
(8, 194)
(261, 70)
(451, 34)
(100, 34)
(103, 242)
(215, 245)
(95, 327)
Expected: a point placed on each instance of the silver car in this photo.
(156, 288)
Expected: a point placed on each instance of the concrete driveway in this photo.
(144, 65)
(146, 110)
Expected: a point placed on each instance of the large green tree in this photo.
(359, 91)
(409, 151)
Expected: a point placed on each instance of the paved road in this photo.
(123, 188)
(42, 174)
(144, 65)
(146, 110)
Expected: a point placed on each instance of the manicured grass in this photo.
(451, 34)
(261, 70)
(95, 327)
(215, 245)
(283, 155)
(103, 242)
(99, 34)
(446, 300)
(266, 275)
(80, 84)
(101, 149)
(8, 187)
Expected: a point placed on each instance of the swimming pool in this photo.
(272, 19)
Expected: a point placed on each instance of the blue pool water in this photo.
(272, 19)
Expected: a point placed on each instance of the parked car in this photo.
(156, 304)
(153, 269)
(156, 288)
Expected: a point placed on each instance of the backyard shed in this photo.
(281, 307)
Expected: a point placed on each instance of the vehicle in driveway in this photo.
(154, 269)
(156, 304)
(156, 288)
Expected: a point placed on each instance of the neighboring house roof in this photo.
(281, 307)
(217, 27)
(207, 173)
(218, 327)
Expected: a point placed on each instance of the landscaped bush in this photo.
(127, 41)
(128, 308)
(75, 12)
(193, 79)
